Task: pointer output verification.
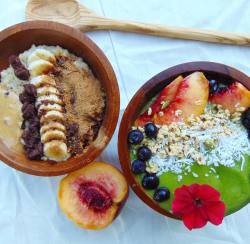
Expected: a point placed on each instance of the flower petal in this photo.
(216, 212)
(194, 190)
(193, 220)
(183, 193)
(203, 212)
(183, 201)
(181, 207)
(208, 193)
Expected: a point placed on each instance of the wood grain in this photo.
(19, 38)
(149, 90)
(72, 13)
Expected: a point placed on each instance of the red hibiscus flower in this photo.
(197, 204)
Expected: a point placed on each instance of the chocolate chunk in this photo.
(6, 93)
(72, 98)
(34, 123)
(30, 90)
(34, 153)
(30, 136)
(22, 73)
(86, 139)
(34, 131)
(25, 105)
(15, 62)
(56, 71)
(24, 98)
(72, 129)
(73, 139)
(61, 60)
(95, 129)
(25, 135)
(30, 144)
(30, 139)
(29, 112)
(40, 147)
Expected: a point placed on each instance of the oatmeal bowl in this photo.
(184, 142)
(59, 98)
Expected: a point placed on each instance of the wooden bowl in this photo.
(149, 90)
(19, 38)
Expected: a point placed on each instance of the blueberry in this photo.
(150, 181)
(212, 82)
(138, 167)
(213, 86)
(245, 118)
(135, 137)
(161, 194)
(144, 153)
(151, 130)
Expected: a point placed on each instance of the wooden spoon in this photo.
(72, 13)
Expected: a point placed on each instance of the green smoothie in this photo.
(233, 183)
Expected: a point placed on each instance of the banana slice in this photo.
(52, 116)
(52, 126)
(43, 80)
(49, 99)
(39, 67)
(55, 150)
(48, 107)
(43, 54)
(47, 90)
(53, 135)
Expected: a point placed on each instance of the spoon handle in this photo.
(167, 31)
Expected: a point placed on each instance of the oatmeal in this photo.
(62, 102)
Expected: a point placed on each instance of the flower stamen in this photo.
(198, 202)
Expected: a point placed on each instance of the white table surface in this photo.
(29, 211)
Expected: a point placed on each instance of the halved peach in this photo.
(164, 98)
(191, 99)
(236, 94)
(93, 196)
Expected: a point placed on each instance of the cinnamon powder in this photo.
(84, 100)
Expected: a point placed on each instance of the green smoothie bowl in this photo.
(184, 142)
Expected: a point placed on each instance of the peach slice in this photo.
(93, 196)
(235, 95)
(191, 99)
(163, 99)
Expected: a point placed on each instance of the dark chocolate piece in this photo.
(19, 69)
